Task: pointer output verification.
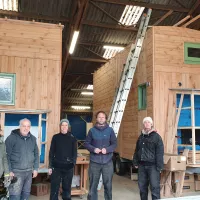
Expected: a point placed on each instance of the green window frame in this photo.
(188, 48)
(7, 88)
(142, 96)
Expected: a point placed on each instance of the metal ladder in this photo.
(119, 103)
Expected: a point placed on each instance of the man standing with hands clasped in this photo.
(101, 142)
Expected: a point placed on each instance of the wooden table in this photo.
(83, 165)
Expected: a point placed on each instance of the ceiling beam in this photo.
(93, 52)
(110, 26)
(76, 111)
(80, 90)
(75, 25)
(180, 4)
(182, 20)
(70, 85)
(89, 59)
(163, 17)
(147, 5)
(78, 99)
(106, 13)
(191, 21)
(196, 5)
(32, 16)
(100, 44)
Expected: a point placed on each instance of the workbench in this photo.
(82, 164)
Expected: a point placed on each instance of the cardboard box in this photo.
(134, 176)
(188, 187)
(197, 177)
(40, 189)
(189, 178)
(197, 185)
(174, 162)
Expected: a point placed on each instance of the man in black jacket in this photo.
(148, 158)
(62, 159)
(23, 160)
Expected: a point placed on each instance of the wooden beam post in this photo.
(143, 4)
(2, 122)
(193, 130)
(163, 17)
(191, 21)
(182, 20)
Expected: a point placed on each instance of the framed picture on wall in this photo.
(7, 88)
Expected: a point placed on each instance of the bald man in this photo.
(23, 160)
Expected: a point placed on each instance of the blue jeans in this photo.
(95, 171)
(20, 190)
(149, 175)
(64, 176)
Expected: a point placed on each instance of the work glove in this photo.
(7, 181)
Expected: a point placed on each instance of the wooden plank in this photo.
(181, 177)
(2, 122)
(39, 133)
(191, 21)
(193, 129)
(182, 20)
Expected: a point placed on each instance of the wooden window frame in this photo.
(187, 59)
(142, 104)
(13, 79)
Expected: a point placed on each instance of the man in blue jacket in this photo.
(23, 160)
(101, 142)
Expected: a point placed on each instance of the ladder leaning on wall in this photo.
(120, 99)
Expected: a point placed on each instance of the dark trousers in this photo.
(95, 171)
(64, 176)
(149, 175)
(20, 190)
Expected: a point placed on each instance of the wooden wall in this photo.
(169, 68)
(105, 83)
(33, 51)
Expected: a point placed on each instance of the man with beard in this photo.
(101, 142)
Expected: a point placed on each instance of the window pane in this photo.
(194, 52)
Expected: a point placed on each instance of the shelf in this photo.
(16, 111)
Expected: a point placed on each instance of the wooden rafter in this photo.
(70, 85)
(147, 5)
(110, 26)
(99, 44)
(191, 21)
(196, 5)
(89, 59)
(106, 13)
(75, 25)
(77, 99)
(180, 3)
(182, 20)
(93, 52)
(163, 17)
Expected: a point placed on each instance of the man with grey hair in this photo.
(62, 159)
(23, 160)
(148, 158)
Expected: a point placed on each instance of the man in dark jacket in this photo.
(148, 158)
(101, 142)
(23, 160)
(3, 158)
(62, 159)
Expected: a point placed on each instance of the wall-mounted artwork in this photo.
(7, 89)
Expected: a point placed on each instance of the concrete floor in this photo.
(123, 189)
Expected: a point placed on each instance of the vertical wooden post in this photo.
(193, 130)
(39, 133)
(2, 118)
(46, 143)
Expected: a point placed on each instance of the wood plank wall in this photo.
(33, 52)
(170, 69)
(106, 80)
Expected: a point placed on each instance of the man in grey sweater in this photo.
(23, 160)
